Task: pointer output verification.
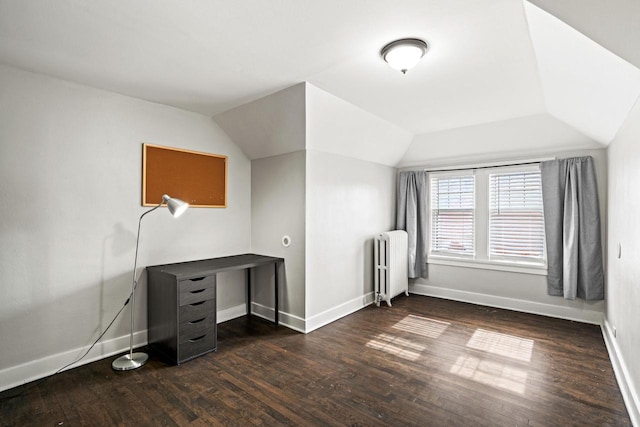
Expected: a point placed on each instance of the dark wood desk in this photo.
(181, 303)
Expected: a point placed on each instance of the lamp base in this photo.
(129, 361)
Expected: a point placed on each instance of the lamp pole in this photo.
(133, 360)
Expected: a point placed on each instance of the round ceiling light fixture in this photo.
(404, 54)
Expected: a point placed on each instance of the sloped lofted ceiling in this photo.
(613, 24)
(501, 68)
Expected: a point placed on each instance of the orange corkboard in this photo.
(199, 179)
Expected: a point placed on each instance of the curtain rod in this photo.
(495, 165)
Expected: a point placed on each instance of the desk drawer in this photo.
(196, 310)
(190, 329)
(197, 345)
(197, 289)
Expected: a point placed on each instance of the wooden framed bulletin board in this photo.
(199, 179)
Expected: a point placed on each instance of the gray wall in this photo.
(70, 185)
(348, 202)
(623, 275)
(518, 291)
(330, 206)
(278, 209)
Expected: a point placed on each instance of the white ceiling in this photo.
(487, 62)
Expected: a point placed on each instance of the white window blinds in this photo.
(516, 220)
(452, 214)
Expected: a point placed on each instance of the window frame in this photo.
(521, 261)
(443, 254)
(481, 258)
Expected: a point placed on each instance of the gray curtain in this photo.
(572, 229)
(411, 216)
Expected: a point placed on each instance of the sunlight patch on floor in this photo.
(423, 326)
(397, 346)
(491, 373)
(502, 344)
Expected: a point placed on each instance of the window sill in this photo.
(485, 265)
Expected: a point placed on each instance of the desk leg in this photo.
(248, 292)
(275, 280)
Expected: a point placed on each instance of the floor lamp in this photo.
(133, 360)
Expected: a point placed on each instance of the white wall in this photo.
(518, 291)
(278, 209)
(623, 275)
(348, 202)
(70, 185)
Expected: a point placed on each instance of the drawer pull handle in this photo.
(197, 338)
(193, 322)
(197, 303)
(198, 291)
(197, 279)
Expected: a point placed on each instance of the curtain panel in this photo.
(411, 216)
(572, 228)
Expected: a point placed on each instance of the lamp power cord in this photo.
(42, 380)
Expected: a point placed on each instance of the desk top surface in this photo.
(203, 267)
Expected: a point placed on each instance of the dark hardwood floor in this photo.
(423, 362)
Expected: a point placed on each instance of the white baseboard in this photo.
(567, 313)
(310, 324)
(39, 368)
(338, 312)
(231, 313)
(289, 320)
(286, 319)
(627, 388)
(48, 365)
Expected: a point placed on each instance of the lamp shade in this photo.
(404, 54)
(176, 206)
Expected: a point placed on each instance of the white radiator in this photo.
(391, 265)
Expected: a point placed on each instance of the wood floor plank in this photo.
(424, 361)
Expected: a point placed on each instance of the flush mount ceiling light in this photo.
(404, 54)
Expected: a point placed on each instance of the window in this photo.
(516, 221)
(488, 218)
(452, 215)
